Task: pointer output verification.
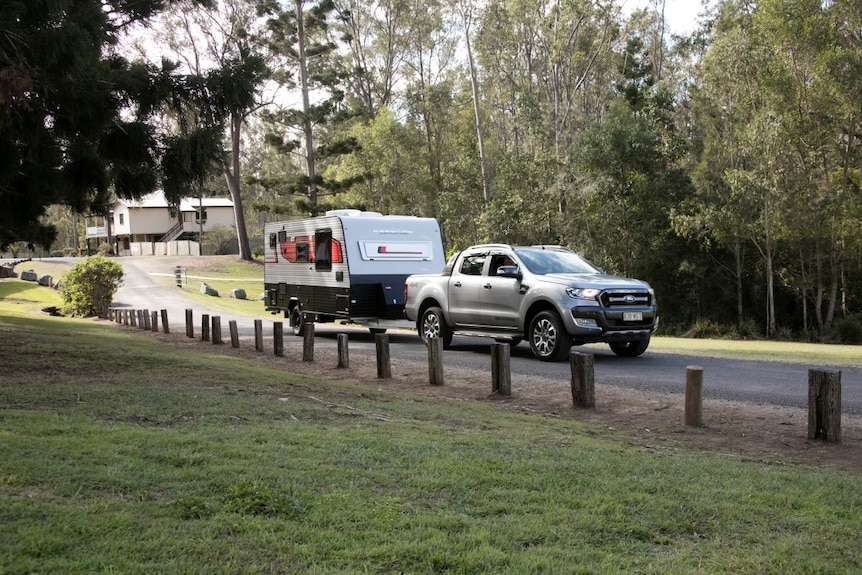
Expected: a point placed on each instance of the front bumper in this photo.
(592, 324)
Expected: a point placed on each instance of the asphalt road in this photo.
(775, 383)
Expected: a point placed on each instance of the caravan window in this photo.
(301, 252)
(272, 241)
(282, 237)
(323, 250)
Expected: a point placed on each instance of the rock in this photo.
(207, 290)
(29, 275)
(237, 293)
(45, 280)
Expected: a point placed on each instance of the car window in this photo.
(473, 264)
(554, 261)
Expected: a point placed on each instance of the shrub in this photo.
(704, 328)
(746, 328)
(849, 330)
(90, 286)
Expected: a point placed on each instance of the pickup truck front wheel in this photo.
(548, 338)
(433, 324)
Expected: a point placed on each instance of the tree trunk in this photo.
(306, 122)
(232, 175)
(737, 252)
(465, 15)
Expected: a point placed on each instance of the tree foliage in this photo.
(77, 119)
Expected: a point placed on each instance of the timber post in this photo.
(205, 327)
(166, 328)
(258, 335)
(384, 367)
(190, 324)
(343, 354)
(154, 321)
(694, 396)
(234, 333)
(216, 332)
(582, 366)
(501, 368)
(824, 405)
(308, 342)
(278, 338)
(435, 361)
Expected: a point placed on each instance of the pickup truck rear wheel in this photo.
(629, 348)
(433, 324)
(549, 340)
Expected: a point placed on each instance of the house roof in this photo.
(157, 200)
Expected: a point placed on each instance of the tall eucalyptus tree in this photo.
(221, 49)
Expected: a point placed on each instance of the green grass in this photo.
(808, 353)
(227, 275)
(15, 294)
(120, 454)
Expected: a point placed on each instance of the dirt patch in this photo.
(651, 421)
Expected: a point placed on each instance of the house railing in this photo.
(172, 233)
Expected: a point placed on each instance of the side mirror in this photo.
(509, 272)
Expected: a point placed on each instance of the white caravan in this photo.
(347, 266)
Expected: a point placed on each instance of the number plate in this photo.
(633, 316)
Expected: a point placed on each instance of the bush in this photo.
(90, 286)
(849, 330)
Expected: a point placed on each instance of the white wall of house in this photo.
(149, 219)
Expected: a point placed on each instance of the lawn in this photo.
(120, 454)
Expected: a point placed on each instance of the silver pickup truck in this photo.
(546, 294)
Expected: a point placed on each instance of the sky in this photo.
(681, 15)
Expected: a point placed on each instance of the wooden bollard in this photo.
(694, 396)
(308, 342)
(824, 405)
(205, 327)
(126, 314)
(278, 338)
(582, 366)
(154, 321)
(435, 361)
(501, 369)
(216, 332)
(384, 368)
(343, 354)
(190, 324)
(234, 333)
(258, 335)
(146, 324)
(133, 319)
(166, 327)
(118, 316)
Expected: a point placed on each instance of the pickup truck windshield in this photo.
(554, 261)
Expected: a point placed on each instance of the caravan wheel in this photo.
(297, 322)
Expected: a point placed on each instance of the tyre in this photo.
(297, 322)
(629, 348)
(549, 340)
(432, 324)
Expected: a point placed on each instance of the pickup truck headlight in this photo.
(583, 293)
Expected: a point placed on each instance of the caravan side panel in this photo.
(348, 267)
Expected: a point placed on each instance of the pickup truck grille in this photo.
(623, 298)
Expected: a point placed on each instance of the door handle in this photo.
(487, 286)
(457, 284)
